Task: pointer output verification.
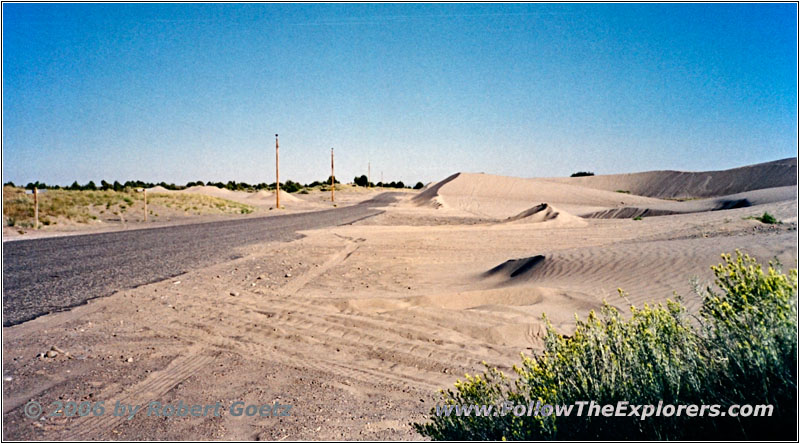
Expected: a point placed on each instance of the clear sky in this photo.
(180, 92)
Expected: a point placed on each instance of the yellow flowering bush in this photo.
(741, 349)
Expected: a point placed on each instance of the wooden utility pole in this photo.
(277, 177)
(333, 181)
(369, 173)
(36, 207)
(144, 192)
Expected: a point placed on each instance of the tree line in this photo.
(288, 186)
(363, 181)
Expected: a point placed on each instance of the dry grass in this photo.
(85, 206)
(198, 203)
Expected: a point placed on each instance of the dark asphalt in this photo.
(41, 276)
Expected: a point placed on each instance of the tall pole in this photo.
(277, 177)
(144, 191)
(36, 207)
(333, 181)
(369, 173)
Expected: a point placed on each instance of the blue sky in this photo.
(181, 92)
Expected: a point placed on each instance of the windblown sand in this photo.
(358, 326)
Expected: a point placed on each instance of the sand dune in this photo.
(263, 197)
(545, 213)
(208, 191)
(500, 197)
(612, 196)
(647, 271)
(258, 198)
(680, 184)
(158, 189)
(739, 200)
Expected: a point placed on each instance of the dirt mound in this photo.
(158, 189)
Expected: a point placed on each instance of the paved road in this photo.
(41, 276)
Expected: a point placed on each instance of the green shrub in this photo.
(740, 350)
(637, 218)
(291, 187)
(361, 181)
(768, 219)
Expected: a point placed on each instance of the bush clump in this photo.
(741, 349)
(767, 218)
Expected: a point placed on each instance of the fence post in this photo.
(36, 208)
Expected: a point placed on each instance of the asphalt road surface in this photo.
(41, 276)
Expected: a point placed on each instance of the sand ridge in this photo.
(500, 197)
(682, 184)
(261, 198)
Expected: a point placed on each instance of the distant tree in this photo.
(105, 186)
(400, 184)
(74, 186)
(9, 184)
(117, 186)
(361, 181)
(419, 186)
(37, 185)
(328, 181)
(582, 174)
(291, 186)
(90, 186)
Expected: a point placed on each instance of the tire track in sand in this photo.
(151, 388)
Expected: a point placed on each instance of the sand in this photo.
(260, 198)
(680, 184)
(157, 189)
(487, 195)
(358, 326)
